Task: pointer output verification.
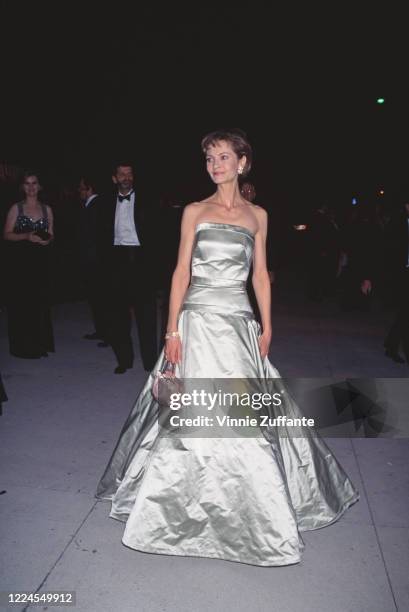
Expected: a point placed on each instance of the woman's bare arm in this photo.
(8, 232)
(181, 275)
(180, 281)
(261, 281)
(50, 221)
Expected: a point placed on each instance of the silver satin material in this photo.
(240, 499)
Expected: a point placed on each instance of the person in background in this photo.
(248, 191)
(398, 248)
(361, 247)
(324, 253)
(129, 258)
(3, 395)
(66, 279)
(28, 232)
(90, 265)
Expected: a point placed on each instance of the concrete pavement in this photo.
(57, 432)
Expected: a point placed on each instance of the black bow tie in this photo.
(121, 198)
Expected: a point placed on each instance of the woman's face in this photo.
(31, 186)
(222, 163)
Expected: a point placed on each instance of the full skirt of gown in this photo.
(243, 499)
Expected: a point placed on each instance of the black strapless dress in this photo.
(28, 292)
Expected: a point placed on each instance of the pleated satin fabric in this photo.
(243, 499)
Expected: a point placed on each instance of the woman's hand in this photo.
(173, 350)
(33, 237)
(264, 342)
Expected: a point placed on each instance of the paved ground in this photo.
(60, 424)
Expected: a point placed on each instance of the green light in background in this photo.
(380, 100)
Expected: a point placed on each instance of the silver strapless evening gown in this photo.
(240, 499)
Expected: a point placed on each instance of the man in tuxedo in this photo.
(362, 253)
(130, 259)
(89, 257)
(324, 253)
(398, 243)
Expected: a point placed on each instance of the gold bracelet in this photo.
(174, 334)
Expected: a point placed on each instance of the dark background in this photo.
(84, 85)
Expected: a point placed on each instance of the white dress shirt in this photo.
(125, 231)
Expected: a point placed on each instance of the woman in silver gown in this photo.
(240, 498)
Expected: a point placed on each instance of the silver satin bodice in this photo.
(221, 262)
(217, 303)
(239, 499)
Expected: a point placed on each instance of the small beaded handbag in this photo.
(165, 383)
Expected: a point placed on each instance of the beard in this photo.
(125, 185)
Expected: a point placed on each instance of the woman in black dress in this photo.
(28, 231)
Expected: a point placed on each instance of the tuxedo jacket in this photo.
(145, 225)
(87, 231)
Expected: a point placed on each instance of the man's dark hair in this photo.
(125, 163)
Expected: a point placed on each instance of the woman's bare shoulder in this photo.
(257, 208)
(259, 212)
(194, 205)
(194, 209)
(191, 212)
(202, 204)
(260, 216)
(14, 208)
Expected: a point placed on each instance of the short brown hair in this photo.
(26, 174)
(237, 139)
